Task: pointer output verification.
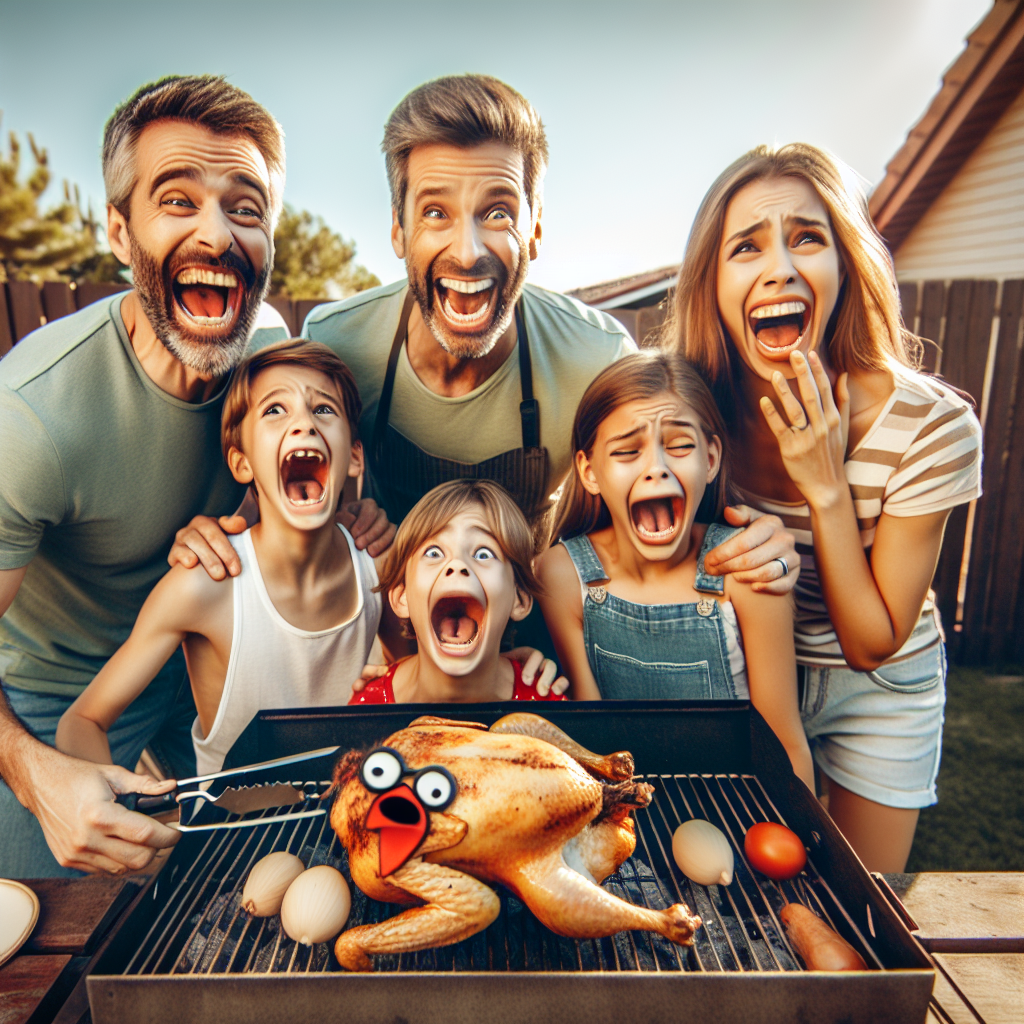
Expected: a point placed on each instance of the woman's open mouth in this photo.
(657, 520)
(779, 328)
(304, 477)
(457, 621)
(209, 298)
(467, 305)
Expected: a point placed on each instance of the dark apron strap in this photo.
(529, 409)
(384, 402)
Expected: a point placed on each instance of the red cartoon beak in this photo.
(402, 822)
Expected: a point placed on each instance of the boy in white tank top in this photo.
(294, 628)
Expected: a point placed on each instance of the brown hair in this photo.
(438, 507)
(464, 110)
(865, 331)
(204, 100)
(639, 376)
(295, 352)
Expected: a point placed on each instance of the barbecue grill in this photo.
(186, 950)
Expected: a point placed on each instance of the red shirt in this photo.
(381, 690)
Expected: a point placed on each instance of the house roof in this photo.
(626, 290)
(976, 88)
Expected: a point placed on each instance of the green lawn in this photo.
(978, 823)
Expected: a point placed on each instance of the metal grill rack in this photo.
(202, 930)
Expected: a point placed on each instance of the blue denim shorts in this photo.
(879, 734)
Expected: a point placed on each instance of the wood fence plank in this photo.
(303, 307)
(89, 292)
(26, 307)
(6, 329)
(908, 303)
(947, 576)
(929, 327)
(990, 569)
(286, 308)
(58, 300)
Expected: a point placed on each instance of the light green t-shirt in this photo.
(98, 469)
(569, 345)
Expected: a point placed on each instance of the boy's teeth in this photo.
(199, 275)
(305, 453)
(466, 287)
(778, 309)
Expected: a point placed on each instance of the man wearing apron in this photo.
(464, 369)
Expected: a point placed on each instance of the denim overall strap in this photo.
(717, 533)
(584, 557)
(650, 651)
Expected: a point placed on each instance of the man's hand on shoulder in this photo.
(368, 525)
(204, 541)
(753, 555)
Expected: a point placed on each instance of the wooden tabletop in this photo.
(981, 912)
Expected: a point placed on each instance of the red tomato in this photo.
(774, 850)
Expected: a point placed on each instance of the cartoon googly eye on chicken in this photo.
(443, 808)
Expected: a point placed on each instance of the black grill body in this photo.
(186, 951)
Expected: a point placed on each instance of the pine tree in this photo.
(38, 246)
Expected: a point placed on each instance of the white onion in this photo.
(268, 882)
(703, 853)
(316, 905)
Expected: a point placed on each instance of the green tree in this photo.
(35, 245)
(312, 262)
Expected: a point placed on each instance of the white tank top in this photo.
(274, 664)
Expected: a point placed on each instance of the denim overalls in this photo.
(655, 651)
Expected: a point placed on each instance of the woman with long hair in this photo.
(787, 303)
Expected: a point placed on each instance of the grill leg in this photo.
(457, 906)
(573, 906)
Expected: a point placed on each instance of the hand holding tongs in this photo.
(242, 797)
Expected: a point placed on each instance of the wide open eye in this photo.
(382, 770)
(435, 787)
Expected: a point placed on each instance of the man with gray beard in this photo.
(110, 420)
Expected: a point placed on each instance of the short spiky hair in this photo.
(204, 100)
(295, 352)
(464, 110)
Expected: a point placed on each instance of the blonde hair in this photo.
(464, 110)
(295, 352)
(204, 100)
(636, 377)
(865, 331)
(432, 513)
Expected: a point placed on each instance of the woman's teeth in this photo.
(654, 519)
(779, 327)
(778, 309)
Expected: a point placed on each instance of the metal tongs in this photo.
(243, 795)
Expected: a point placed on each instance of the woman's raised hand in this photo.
(813, 441)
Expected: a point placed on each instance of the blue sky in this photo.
(644, 101)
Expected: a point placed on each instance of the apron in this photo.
(403, 472)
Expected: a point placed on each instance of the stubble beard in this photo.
(469, 346)
(209, 357)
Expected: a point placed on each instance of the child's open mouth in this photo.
(457, 621)
(210, 298)
(467, 305)
(304, 476)
(657, 520)
(779, 327)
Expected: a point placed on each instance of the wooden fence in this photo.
(975, 341)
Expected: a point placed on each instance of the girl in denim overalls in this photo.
(630, 609)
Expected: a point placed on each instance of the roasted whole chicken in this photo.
(443, 807)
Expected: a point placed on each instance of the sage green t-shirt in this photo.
(98, 469)
(569, 345)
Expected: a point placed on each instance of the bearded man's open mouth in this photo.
(467, 305)
(208, 299)
(457, 621)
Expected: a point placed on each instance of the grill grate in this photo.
(201, 928)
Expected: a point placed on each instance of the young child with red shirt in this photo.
(459, 572)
